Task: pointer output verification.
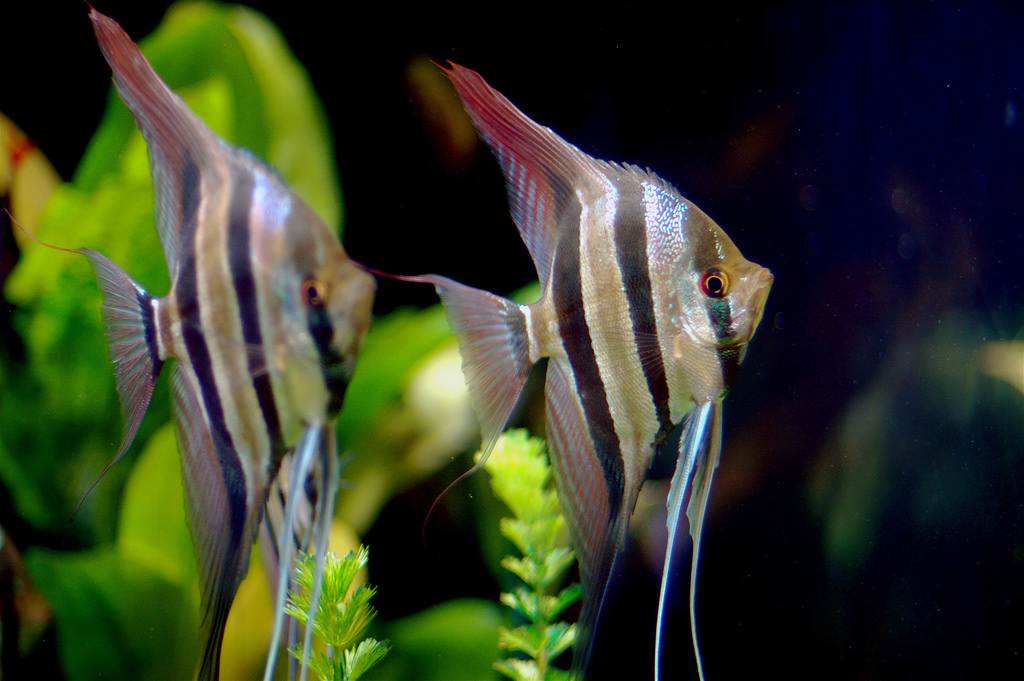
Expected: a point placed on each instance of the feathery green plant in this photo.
(342, 617)
(521, 478)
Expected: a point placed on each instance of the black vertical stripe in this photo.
(576, 339)
(332, 364)
(564, 198)
(729, 356)
(189, 206)
(720, 314)
(187, 292)
(729, 359)
(631, 254)
(240, 266)
(149, 326)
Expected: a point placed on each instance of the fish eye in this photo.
(714, 283)
(313, 292)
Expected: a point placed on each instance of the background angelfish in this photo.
(646, 312)
(265, 317)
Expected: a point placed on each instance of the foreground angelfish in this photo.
(265, 317)
(646, 312)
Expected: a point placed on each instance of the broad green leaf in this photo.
(454, 641)
(152, 529)
(297, 135)
(130, 611)
(406, 411)
(115, 618)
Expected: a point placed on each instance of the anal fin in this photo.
(598, 530)
(222, 545)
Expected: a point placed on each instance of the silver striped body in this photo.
(646, 311)
(265, 317)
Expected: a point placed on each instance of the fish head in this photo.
(721, 299)
(326, 300)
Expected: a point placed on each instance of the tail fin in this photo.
(128, 317)
(491, 331)
(494, 344)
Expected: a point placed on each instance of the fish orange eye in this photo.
(714, 283)
(313, 292)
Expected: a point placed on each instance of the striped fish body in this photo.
(265, 317)
(646, 312)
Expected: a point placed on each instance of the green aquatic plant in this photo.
(343, 615)
(521, 478)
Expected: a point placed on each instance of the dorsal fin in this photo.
(179, 143)
(541, 170)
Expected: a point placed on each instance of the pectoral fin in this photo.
(699, 451)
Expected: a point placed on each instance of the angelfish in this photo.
(646, 311)
(265, 318)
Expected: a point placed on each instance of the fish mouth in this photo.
(765, 279)
(756, 288)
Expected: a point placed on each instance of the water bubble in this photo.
(810, 198)
(814, 242)
(900, 201)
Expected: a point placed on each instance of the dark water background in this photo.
(868, 518)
